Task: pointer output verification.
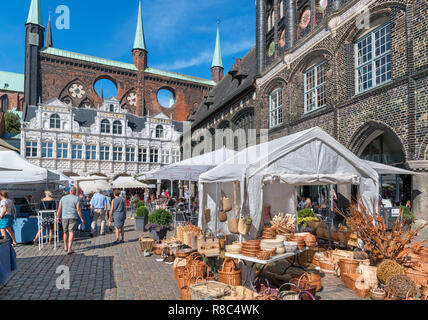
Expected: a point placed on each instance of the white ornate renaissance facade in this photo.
(106, 141)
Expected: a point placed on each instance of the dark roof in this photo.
(228, 88)
(86, 118)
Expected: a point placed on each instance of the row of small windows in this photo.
(271, 15)
(372, 68)
(104, 155)
(106, 127)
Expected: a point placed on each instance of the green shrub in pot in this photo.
(142, 211)
(160, 217)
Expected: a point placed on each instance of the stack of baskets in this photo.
(230, 273)
(233, 249)
(188, 272)
(266, 254)
(299, 239)
(310, 240)
(250, 248)
(146, 242)
(417, 266)
(269, 233)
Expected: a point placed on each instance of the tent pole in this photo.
(172, 188)
(216, 205)
(329, 214)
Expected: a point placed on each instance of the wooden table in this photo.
(249, 265)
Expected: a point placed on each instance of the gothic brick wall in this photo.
(399, 107)
(16, 99)
(58, 74)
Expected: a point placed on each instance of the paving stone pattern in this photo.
(100, 271)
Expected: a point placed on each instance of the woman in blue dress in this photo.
(118, 215)
(7, 209)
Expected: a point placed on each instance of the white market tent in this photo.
(192, 168)
(63, 179)
(385, 169)
(21, 171)
(92, 184)
(270, 172)
(127, 182)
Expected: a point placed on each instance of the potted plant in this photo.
(142, 218)
(139, 204)
(158, 223)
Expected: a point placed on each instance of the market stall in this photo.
(271, 169)
(128, 183)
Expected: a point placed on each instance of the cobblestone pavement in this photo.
(100, 271)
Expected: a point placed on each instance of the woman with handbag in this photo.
(118, 216)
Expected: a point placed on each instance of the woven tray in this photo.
(210, 290)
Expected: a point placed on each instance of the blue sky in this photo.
(180, 34)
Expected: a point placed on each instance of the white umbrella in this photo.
(128, 182)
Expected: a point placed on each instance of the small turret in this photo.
(217, 68)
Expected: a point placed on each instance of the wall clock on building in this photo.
(132, 98)
(77, 91)
(271, 49)
(305, 19)
(322, 5)
(282, 39)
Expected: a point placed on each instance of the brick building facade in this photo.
(52, 73)
(357, 69)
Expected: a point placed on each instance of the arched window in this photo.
(111, 108)
(275, 108)
(4, 103)
(159, 132)
(55, 122)
(244, 120)
(105, 126)
(117, 127)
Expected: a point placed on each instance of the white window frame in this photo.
(62, 151)
(154, 155)
(77, 152)
(56, 119)
(175, 156)
(117, 153)
(165, 156)
(49, 147)
(102, 125)
(317, 86)
(104, 153)
(161, 132)
(117, 127)
(91, 150)
(374, 59)
(31, 149)
(130, 154)
(277, 109)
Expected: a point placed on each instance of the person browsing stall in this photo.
(69, 211)
(7, 210)
(98, 211)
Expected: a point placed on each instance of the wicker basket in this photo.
(350, 279)
(418, 277)
(312, 279)
(183, 278)
(230, 275)
(146, 241)
(241, 293)
(377, 294)
(185, 294)
(157, 248)
(196, 265)
(210, 290)
(347, 266)
(179, 267)
(327, 265)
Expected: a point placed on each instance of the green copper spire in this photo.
(140, 42)
(217, 60)
(35, 14)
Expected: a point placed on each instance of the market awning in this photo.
(128, 182)
(385, 169)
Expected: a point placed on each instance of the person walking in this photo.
(108, 198)
(47, 204)
(7, 212)
(118, 216)
(98, 211)
(69, 210)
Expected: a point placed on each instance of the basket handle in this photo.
(307, 292)
(288, 283)
(229, 259)
(301, 277)
(272, 297)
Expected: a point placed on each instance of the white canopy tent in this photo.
(63, 179)
(192, 168)
(21, 171)
(127, 182)
(92, 184)
(269, 173)
(385, 169)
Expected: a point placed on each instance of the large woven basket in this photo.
(146, 241)
(418, 277)
(209, 290)
(196, 265)
(230, 275)
(347, 266)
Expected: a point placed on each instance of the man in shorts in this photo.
(69, 211)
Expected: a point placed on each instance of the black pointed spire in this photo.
(49, 39)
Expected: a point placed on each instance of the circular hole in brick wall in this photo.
(166, 98)
(105, 88)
